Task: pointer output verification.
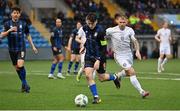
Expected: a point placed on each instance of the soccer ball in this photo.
(81, 100)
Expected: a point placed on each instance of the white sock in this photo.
(121, 74)
(136, 84)
(94, 74)
(159, 62)
(164, 61)
(80, 70)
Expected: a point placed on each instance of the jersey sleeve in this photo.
(81, 34)
(52, 39)
(132, 35)
(6, 27)
(108, 33)
(158, 33)
(27, 29)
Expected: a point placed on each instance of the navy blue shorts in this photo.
(75, 51)
(15, 56)
(90, 63)
(59, 51)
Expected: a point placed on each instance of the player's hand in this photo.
(13, 29)
(82, 50)
(35, 50)
(96, 65)
(138, 55)
(68, 48)
(159, 40)
(55, 49)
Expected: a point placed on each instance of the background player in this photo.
(93, 35)
(121, 37)
(17, 30)
(163, 36)
(74, 47)
(56, 42)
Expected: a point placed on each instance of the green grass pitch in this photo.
(59, 94)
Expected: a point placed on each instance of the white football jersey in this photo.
(164, 35)
(121, 39)
(82, 34)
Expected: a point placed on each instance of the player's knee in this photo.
(89, 78)
(19, 65)
(101, 78)
(130, 72)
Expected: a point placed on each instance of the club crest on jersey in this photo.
(124, 64)
(122, 38)
(95, 34)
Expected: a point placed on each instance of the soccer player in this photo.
(56, 42)
(92, 41)
(121, 37)
(163, 36)
(74, 47)
(16, 31)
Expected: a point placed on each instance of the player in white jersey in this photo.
(163, 36)
(121, 37)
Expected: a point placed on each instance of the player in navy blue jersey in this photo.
(17, 30)
(57, 44)
(74, 47)
(93, 43)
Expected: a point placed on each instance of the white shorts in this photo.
(165, 50)
(125, 61)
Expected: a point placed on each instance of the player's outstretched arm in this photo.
(69, 43)
(32, 45)
(136, 44)
(5, 33)
(157, 37)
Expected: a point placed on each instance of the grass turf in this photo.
(60, 94)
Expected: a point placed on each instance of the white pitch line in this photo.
(156, 73)
(45, 72)
(158, 78)
(41, 73)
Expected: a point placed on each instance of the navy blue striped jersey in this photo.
(57, 37)
(16, 39)
(74, 44)
(94, 38)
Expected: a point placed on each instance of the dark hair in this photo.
(15, 8)
(117, 15)
(91, 17)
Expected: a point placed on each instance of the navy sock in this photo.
(76, 66)
(93, 90)
(70, 65)
(111, 77)
(23, 75)
(19, 75)
(53, 67)
(60, 66)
